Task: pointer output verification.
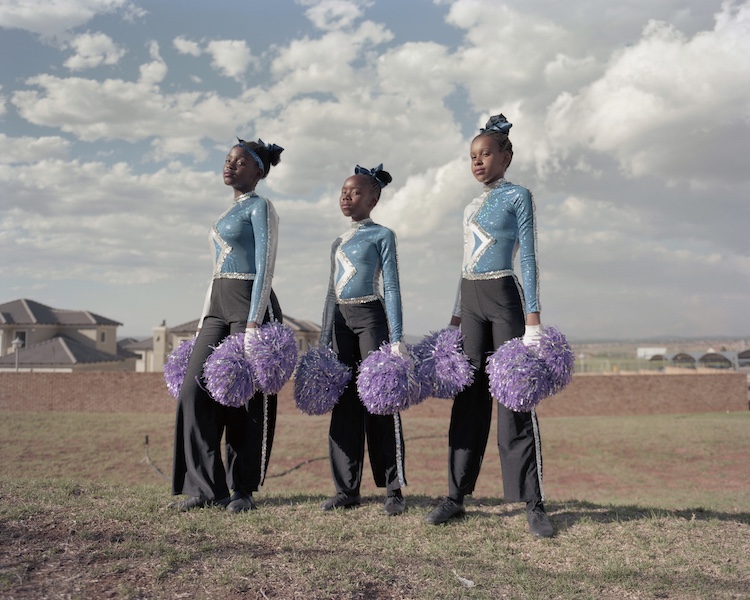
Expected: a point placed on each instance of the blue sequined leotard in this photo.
(358, 257)
(496, 225)
(243, 243)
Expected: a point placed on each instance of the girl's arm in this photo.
(326, 329)
(391, 286)
(265, 224)
(526, 219)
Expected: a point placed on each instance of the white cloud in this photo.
(231, 58)
(186, 46)
(51, 18)
(333, 14)
(154, 72)
(30, 149)
(92, 50)
(663, 100)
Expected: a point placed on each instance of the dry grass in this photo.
(644, 507)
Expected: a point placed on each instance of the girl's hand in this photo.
(251, 332)
(532, 335)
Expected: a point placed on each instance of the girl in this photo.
(239, 298)
(492, 308)
(357, 319)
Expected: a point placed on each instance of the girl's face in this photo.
(357, 197)
(241, 171)
(488, 163)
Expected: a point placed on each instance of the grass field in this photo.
(644, 507)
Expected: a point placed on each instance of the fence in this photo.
(588, 394)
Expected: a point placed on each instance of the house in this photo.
(152, 353)
(37, 337)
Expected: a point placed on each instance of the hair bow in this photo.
(371, 172)
(497, 123)
(271, 147)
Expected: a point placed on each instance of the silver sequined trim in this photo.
(264, 443)
(488, 274)
(360, 300)
(243, 276)
(399, 450)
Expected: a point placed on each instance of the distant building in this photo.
(56, 340)
(152, 353)
(649, 353)
(704, 360)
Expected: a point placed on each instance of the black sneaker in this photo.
(340, 500)
(394, 505)
(539, 524)
(445, 511)
(198, 502)
(241, 502)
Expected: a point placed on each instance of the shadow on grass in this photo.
(574, 511)
(562, 514)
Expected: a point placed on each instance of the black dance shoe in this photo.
(198, 502)
(340, 500)
(539, 524)
(394, 505)
(445, 511)
(241, 502)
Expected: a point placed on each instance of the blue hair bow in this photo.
(371, 172)
(271, 147)
(497, 123)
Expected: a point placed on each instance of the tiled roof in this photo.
(30, 312)
(59, 351)
(296, 325)
(301, 325)
(147, 344)
(188, 327)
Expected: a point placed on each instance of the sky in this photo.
(631, 127)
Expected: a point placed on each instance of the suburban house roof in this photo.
(295, 324)
(58, 351)
(188, 327)
(134, 345)
(301, 325)
(29, 312)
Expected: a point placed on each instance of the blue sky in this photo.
(631, 128)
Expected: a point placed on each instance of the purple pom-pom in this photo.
(176, 366)
(386, 382)
(227, 374)
(319, 380)
(273, 356)
(519, 379)
(557, 354)
(441, 366)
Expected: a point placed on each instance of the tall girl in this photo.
(243, 243)
(492, 308)
(357, 320)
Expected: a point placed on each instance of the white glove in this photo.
(452, 327)
(532, 335)
(400, 349)
(251, 333)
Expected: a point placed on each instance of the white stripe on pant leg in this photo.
(399, 450)
(264, 443)
(537, 451)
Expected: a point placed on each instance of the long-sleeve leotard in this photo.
(358, 257)
(243, 244)
(496, 225)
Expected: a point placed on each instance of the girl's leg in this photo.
(250, 429)
(518, 439)
(346, 435)
(472, 408)
(198, 470)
